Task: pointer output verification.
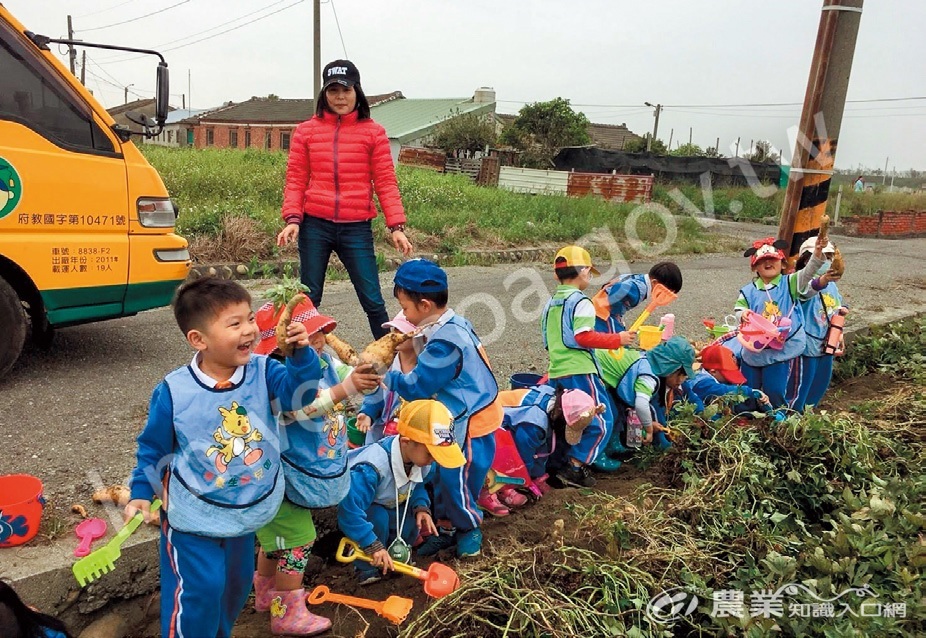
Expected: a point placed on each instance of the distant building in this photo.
(139, 106)
(178, 129)
(261, 122)
(268, 123)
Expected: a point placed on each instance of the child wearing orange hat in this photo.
(720, 376)
(314, 459)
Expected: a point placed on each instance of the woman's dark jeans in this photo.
(353, 243)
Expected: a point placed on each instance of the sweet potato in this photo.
(345, 352)
(838, 267)
(823, 235)
(118, 494)
(285, 318)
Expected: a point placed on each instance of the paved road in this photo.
(71, 415)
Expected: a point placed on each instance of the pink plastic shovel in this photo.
(88, 531)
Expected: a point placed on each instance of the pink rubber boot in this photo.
(490, 503)
(262, 587)
(290, 617)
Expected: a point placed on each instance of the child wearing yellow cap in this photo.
(569, 336)
(387, 505)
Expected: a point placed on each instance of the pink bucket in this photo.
(757, 333)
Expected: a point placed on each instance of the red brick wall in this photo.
(889, 223)
(220, 135)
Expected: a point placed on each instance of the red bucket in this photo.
(21, 504)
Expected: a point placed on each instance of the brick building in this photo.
(261, 122)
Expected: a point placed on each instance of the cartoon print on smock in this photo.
(233, 437)
(829, 306)
(10, 527)
(772, 312)
(334, 425)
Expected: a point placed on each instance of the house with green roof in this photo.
(268, 122)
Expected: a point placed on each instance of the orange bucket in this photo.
(21, 504)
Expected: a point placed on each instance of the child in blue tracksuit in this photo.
(569, 336)
(720, 376)
(314, 459)
(539, 418)
(816, 366)
(776, 297)
(621, 295)
(387, 504)
(211, 448)
(453, 369)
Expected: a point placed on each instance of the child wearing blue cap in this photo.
(452, 368)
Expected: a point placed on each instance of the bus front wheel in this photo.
(14, 320)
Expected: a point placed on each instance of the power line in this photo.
(116, 24)
(338, 23)
(215, 35)
(117, 58)
(727, 106)
(93, 13)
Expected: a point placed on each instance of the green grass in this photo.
(449, 215)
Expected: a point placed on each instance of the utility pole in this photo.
(658, 108)
(671, 134)
(821, 119)
(717, 146)
(83, 67)
(737, 147)
(72, 52)
(317, 55)
(884, 179)
(189, 87)
(690, 132)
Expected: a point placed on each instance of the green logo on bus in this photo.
(11, 188)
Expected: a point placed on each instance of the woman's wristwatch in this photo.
(398, 228)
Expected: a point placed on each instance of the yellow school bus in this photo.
(86, 224)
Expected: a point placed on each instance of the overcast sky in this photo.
(607, 56)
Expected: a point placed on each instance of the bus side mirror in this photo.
(163, 94)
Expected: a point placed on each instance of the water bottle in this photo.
(634, 429)
(667, 323)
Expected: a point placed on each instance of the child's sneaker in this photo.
(435, 543)
(576, 475)
(469, 543)
(511, 497)
(490, 503)
(368, 576)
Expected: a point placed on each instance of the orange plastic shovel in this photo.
(394, 609)
(661, 296)
(439, 580)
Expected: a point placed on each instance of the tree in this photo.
(688, 150)
(542, 128)
(465, 133)
(638, 145)
(763, 153)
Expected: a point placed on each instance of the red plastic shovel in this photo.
(439, 580)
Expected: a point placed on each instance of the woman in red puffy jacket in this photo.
(336, 160)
